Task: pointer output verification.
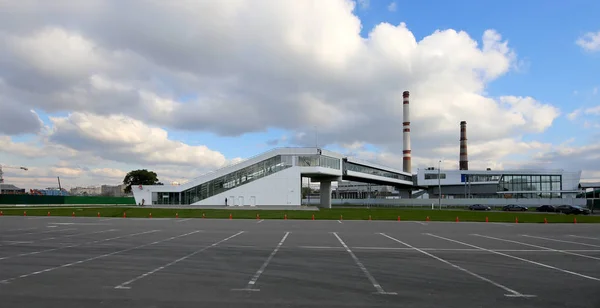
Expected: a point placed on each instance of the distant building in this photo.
(9, 189)
(86, 191)
(359, 190)
(113, 191)
(50, 191)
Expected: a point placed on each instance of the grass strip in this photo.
(322, 214)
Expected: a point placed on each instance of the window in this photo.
(378, 172)
(434, 176)
(319, 161)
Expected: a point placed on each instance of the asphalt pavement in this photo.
(128, 262)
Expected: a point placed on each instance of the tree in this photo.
(140, 177)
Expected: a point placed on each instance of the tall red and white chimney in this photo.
(406, 157)
(463, 163)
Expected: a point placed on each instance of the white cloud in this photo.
(573, 115)
(392, 7)
(595, 91)
(593, 110)
(589, 41)
(364, 4)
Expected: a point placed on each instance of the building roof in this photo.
(9, 187)
(589, 185)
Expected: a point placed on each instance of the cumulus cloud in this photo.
(589, 41)
(573, 115)
(392, 7)
(233, 67)
(593, 110)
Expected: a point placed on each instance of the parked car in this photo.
(479, 207)
(514, 207)
(546, 208)
(572, 209)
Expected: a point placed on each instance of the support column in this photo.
(325, 191)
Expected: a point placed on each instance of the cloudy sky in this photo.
(92, 89)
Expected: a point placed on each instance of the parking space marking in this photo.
(22, 229)
(79, 234)
(43, 232)
(518, 258)
(555, 240)
(107, 219)
(125, 284)
(5, 281)
(363, 268)
(260, 221)
(419, 222)
(339, 221)
(536, 246)
(586, 237)
(512, 292)
(182, 220)
(76, 245)
(252, 282)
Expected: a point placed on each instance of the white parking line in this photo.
(536, 246)
(182, 220)
(555, 240)
(51, 231)
(339, 221)
(254, 278)
(518, 258)
(363, 268)
(107, 219)
(22, 229)
(419, 222)
(260, 221)
(124, 285)
(73, 235)
(91, 259)
(586, 237)
(512, 292)
(76, 245)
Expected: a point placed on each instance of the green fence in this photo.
(32, 199)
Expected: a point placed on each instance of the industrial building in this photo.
(274, 178)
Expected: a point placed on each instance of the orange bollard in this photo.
(313, 217)
(285, 216)
(398, 218)
(486, 219)
(427, 219)
(456, 218)
(257, 217)
(48, 213)
(124, 215)
(369, 217)
(24, 213)
(1, 213)
(230, 216)
(341, 218)
(545, 220)
(176, 215)
(516, 220)
(574, 220)
(73, 214)
(98, 214)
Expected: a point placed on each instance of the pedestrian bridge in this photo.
(273, 178)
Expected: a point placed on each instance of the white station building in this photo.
(273, 178)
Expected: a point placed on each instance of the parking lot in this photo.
(125, 262)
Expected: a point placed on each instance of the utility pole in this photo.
(316, 137)
(440, 183)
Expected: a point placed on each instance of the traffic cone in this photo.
(204, 216)
(545, 220)
(486, 219)
(398, 218)
(257, 217)
(574, 220)
(1, 213)
(456, 218)
(24, 213)
(124, 215)
(98, 214)
(313, 217)
(341, 218)
(176, 215)
(150, 215)
(516, 220)
(427, 219)
(285, 216)
(73, 214)
(369, 217)
(230, 216)
(48, 213)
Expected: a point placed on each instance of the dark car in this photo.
(572, 209)
(514, 207)
(479, 207)
(546, 208)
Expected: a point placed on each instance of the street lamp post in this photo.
(440, 184)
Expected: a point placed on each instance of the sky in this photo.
(90, 90)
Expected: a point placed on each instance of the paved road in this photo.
(125, 262)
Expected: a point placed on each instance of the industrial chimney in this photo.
(464, 159)
(406, 161)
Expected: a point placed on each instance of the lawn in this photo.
(327, 214)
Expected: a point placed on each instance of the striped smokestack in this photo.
(406, 162)
(463, 163)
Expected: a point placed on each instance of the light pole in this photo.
(440, 183)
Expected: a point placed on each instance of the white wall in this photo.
(280, 188)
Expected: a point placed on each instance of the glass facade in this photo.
(234, 179)
(539, 185)
(165, 198)
(434, 176)
(378, 172)
(480, 178)
(318, 161)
